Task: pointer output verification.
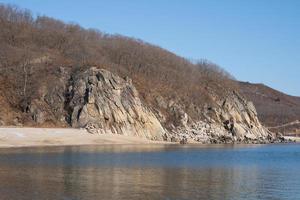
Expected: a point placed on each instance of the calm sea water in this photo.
(225, 172)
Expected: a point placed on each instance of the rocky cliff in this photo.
(103, 102)
(232, 119)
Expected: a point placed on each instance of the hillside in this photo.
(278, 111)
(32, 50)
(59, 75)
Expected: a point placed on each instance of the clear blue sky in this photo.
(255, 40)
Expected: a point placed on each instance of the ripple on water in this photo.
(152, 172)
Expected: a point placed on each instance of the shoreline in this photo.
(16, 137)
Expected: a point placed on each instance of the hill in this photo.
(278, 111)
(59, 75)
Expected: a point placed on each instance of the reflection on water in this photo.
(151, 172)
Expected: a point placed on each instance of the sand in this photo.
(26, 137)
(297, 139)
(29, 137)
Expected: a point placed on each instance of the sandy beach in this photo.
(23, 137)
(28, 137)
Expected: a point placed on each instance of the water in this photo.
(225, 172)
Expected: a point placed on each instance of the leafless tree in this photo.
(155, 71)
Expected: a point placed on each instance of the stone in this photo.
(183, 140)
(36, 113)
(100, 100)
(233, 120)
(91, 128)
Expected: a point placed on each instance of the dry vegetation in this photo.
(33, 48)
(276, 110)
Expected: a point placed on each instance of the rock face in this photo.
(232, 120)
(240, 118)
(106, 103)
(102, 102)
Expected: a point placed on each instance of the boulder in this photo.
(184, 140)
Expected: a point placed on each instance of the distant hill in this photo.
(276, 110)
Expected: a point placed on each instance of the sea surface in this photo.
(134, 172)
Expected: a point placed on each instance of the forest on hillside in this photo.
(32, 49)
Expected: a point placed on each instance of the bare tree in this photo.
(155, 71)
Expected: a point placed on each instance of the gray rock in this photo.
(36, 113)
(184, 140)
(233, 120)
(105, 103)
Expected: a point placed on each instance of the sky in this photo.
(254, 40)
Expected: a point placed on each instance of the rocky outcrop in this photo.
(50, 104)
(231, 120)
(102, 102)
(239, 118)
(106, 103)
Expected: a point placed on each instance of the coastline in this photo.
(14, 137)
(11, 137)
